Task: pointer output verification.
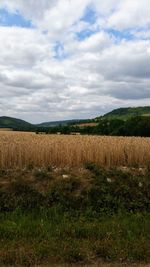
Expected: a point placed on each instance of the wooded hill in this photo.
(122, 121)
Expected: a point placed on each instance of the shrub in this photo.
(20, 195)
(63, 193)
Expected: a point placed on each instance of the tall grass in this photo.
(54, 237)
(27, 149)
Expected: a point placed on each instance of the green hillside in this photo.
(126, 113)
(57, 123)
(109, 123)
(8, 122)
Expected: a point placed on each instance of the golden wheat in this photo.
(19, 150)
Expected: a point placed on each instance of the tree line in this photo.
(136, 126)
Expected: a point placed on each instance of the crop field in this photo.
(61, 202)
(91, 124)
(5, 129)
(18, 150)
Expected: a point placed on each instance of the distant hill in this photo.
(13, 123)
(127, 113)
(57, 123)
(121, 113)
(18, 124)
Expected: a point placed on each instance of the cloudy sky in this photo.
(62, 59)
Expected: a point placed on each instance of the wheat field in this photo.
(19, 150)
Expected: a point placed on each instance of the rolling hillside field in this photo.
(127, 113)
(13, 123)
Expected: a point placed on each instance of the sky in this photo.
(71, 59)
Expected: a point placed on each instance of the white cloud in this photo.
(131, 13)
(54, 16)
(88, 76)
(31, 9)
(120, 15)
(22, 47)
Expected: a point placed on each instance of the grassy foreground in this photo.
(53, 237)
(74, 216)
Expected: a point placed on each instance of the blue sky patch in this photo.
(84, 34)
(13, 19)
(120, 35)
(89, 16)
(59, 51)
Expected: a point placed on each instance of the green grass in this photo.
(76, 220)
(62, 237)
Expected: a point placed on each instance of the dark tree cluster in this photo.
(137, 126)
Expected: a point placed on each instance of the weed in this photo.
(42, 175)
(20, 195)
(63, 192)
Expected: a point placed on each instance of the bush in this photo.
(108, 191)
(20, 195)
(114, 190)
(63, 193)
